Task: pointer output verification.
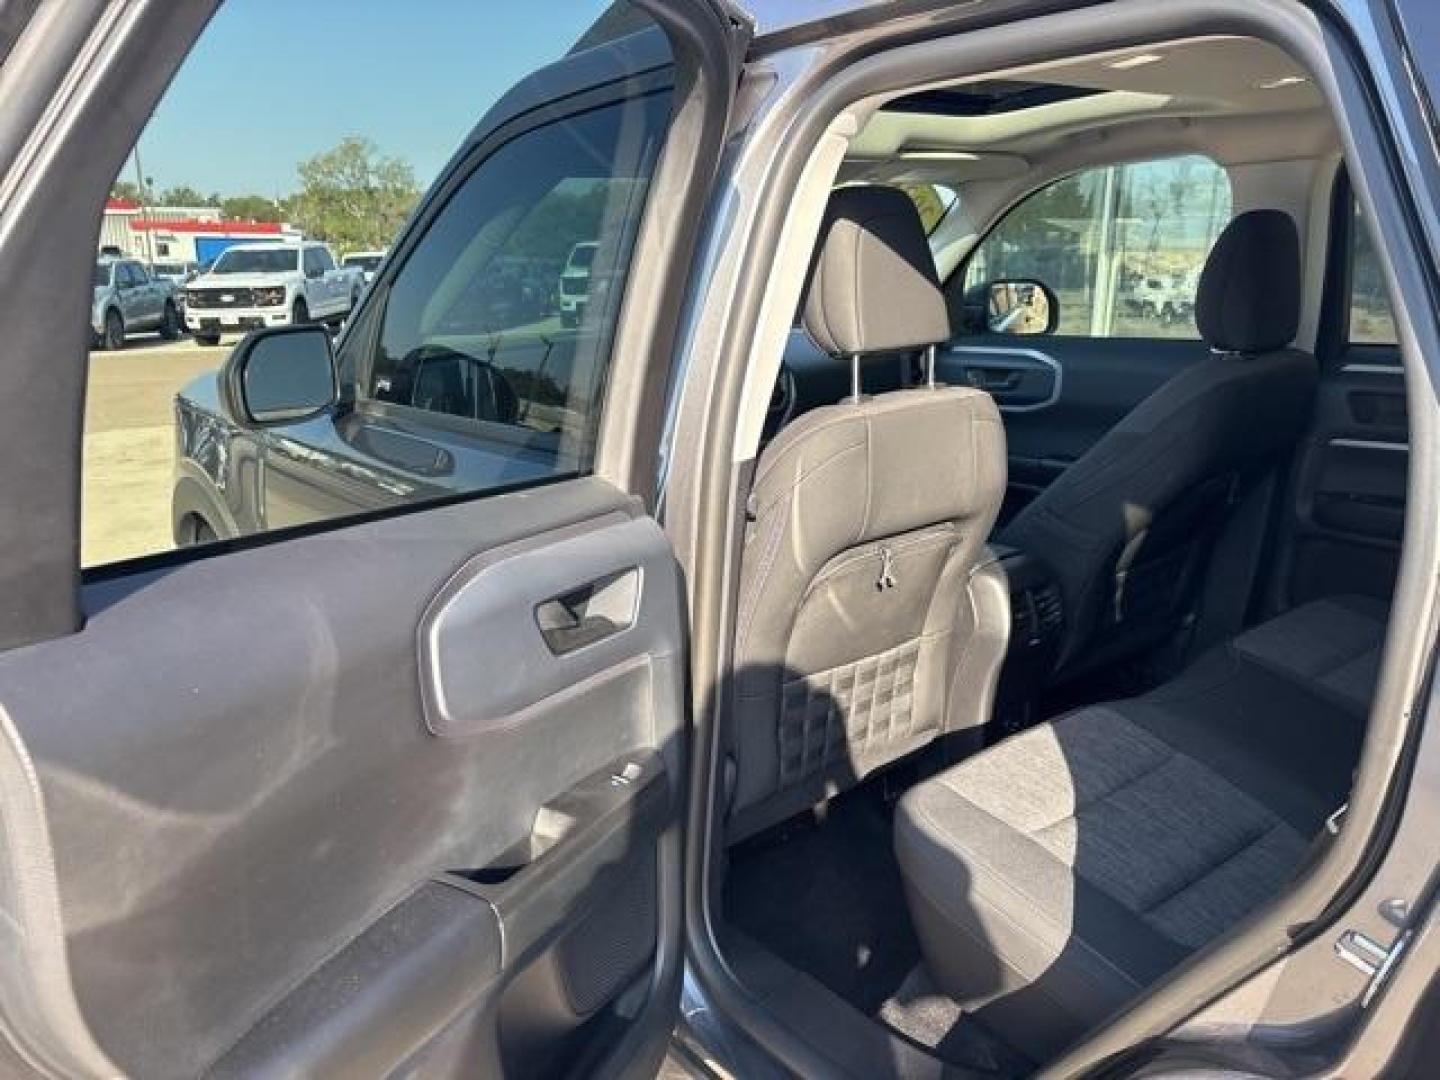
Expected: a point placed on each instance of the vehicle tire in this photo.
(300, 313)
(197, 531)
(208, 340)
(113, 339)
(170, 322)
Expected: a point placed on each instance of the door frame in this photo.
(734, 354)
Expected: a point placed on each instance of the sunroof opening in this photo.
(989, 98)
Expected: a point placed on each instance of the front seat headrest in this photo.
(872, 285)
(1249, 295)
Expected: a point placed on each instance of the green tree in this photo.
(353, 196)
(181, 195)
(572, 212)
(928, 201)
(250, 208)
(125, 189)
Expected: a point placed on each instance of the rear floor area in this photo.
(827, 899)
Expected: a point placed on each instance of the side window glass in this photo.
(492, 362)
(933, 201)
(1372, 322)
(1120, 246)
(499, 319)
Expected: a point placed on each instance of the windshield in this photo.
(102, 275)
(257, 261)
(582, 256)
(364, 262)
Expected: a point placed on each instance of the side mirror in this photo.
(1020, 306)
(281, 375)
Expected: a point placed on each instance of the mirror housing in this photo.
(1020, 306)
(280, 375)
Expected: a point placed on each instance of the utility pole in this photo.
(1102, 303)
(146, 226)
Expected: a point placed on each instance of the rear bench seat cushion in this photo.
(1331, 645)
(1072, 865)
(1057, 874)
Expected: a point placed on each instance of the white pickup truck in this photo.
(256, 285)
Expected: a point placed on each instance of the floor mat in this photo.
(925, 1015)
(827, 899)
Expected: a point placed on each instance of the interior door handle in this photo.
(983, 378)
(591, 613)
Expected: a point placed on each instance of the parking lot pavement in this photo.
(130, 444)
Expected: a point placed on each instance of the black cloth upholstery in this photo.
(1249, 296)
(872, 285)
(1054, 876)
(1127, 529)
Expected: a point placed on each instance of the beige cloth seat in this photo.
(863, 629)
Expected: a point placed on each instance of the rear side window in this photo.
(1121, 246)
(1372, 322)
(500, 317)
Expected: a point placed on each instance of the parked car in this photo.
(1157, 298)
(127, 299)
(575, 282)
(364, 261)
(257, 285)
(178, 274)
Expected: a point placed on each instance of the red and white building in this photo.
(181, 234)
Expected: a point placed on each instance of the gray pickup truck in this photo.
(128, 298)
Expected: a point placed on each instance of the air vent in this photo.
(1036, 615)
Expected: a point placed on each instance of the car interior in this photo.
(1067, 553)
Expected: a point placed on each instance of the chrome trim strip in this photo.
(1371, 444)
(1044, 359)
(1372, 369)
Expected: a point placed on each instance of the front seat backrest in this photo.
(1127, 528)
(866, 519)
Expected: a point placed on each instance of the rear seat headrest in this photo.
(1249, 295)
(872, 284)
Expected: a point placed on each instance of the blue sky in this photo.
(275, 81)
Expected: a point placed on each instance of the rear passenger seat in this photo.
(1057, 874)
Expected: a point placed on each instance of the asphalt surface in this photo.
(130, 444)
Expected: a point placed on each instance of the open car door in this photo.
(398, 793)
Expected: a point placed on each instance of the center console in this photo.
(1037, 619)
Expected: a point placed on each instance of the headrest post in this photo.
(930, 365)
(855, 377)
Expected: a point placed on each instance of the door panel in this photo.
(400, 793)
(1347, 510)
(238, 818)
(1346, 507)
(1059, 395)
